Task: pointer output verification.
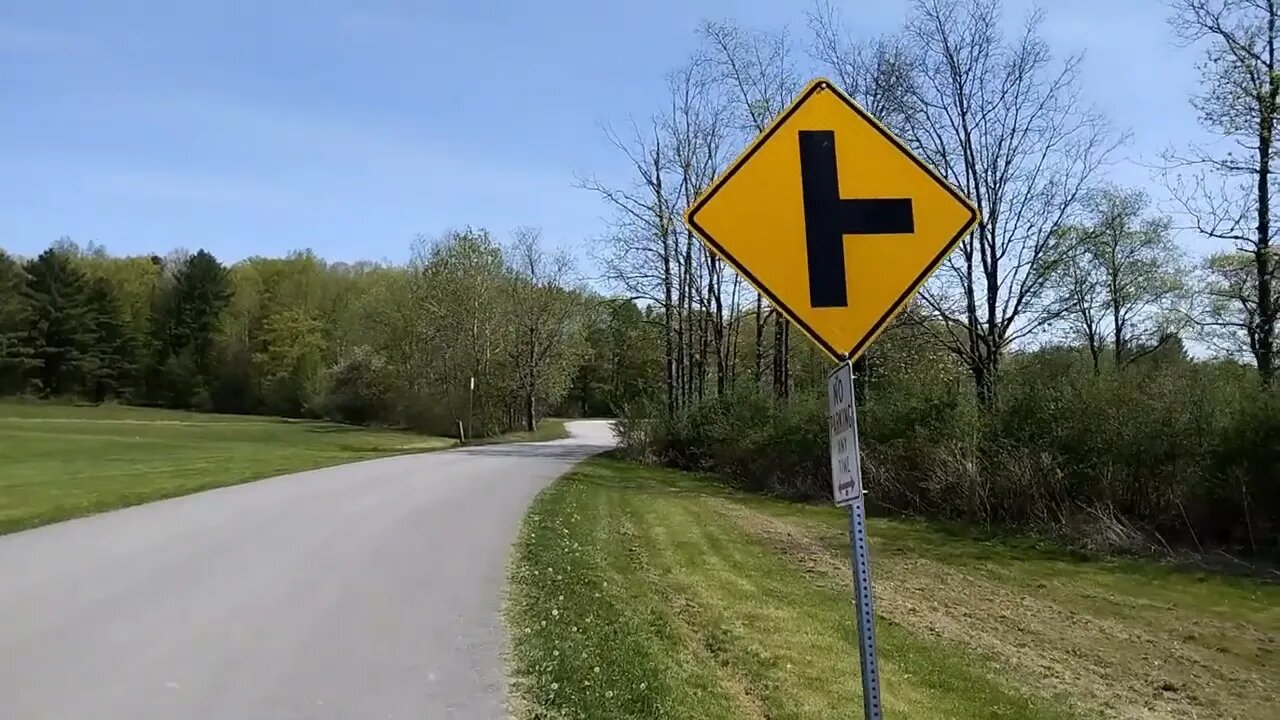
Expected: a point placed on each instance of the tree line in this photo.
(470, 337)
(1068, 365)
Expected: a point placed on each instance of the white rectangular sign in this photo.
(846, 466)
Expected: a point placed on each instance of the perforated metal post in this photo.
(860, 559)
(866, 610)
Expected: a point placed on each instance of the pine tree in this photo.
(111, 359)
(202, 289)
(15, 324)
(61, 332)
(185, 328)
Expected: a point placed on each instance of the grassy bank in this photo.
(548, 429)
(58, 462)
(645, 593)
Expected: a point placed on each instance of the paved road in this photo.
(359, 592)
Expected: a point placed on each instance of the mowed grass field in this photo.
(645, 593)
(59, 462)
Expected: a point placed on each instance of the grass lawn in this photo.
(638, 592)
(548, 429)
(58, 461)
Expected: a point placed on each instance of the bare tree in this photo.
(876, 72)
(1004, 122)
(547, 323)
(652, 256)
(1227, 196)
(1122, 277)
(638, 257)
(698, 128)
(757, 71)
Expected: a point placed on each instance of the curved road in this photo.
(370, 590)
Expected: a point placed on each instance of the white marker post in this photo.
(846, 486)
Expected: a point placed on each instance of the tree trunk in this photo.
(1263, 256)
(861, 376)
(704, 348)
(733, 333)
(985, 372)
(668, 329)
(690, 286)
(530, 422)
(714, 287)
(759, 372)
(781, 356)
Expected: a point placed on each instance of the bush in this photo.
(357, 390)
(1166, 448)
(757, 443)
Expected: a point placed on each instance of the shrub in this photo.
(357, 389)
(1186, 451)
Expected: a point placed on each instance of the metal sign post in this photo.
(781, 216)
(846, 487)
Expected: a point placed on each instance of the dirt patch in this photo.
(1098, 665)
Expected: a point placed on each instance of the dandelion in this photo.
(608, 693)
(555, 686)
(555, 612)
(596, 668)
(644, 685)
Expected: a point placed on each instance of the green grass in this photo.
(645, 593)
(61, 461)
(548, 429)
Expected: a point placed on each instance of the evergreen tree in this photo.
(201, 292)
(15, 323)
(111, 359)
(61, 331)
(185, 326)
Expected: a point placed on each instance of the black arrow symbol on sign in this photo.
(829, 217)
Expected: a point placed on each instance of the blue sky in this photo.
(348, 127)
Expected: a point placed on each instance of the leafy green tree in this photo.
(135, 281)
(289, 362)
(547, 341)
(458, 332)
(61, 332)
(588, 393)
(1225, 310)
(1121, 280)
(359, 389)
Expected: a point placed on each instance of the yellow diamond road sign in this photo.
(833, 219)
